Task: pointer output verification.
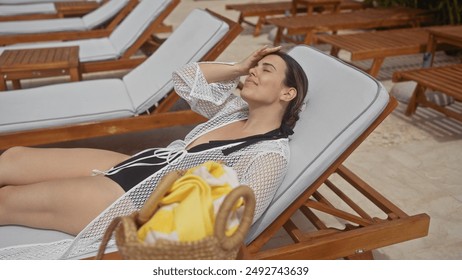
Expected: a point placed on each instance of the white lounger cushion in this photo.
(112, 47)
(149, 82)
(35, 1)
(342, 103)
(13, 10)
(87, 22)
(61, 104)
(97, 100)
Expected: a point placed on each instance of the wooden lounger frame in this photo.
(158, 117)
(362, 232)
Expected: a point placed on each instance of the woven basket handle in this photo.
(235, 240)
(150, 206)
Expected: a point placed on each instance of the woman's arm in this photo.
(217, 72)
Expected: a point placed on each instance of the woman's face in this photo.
(264, 85)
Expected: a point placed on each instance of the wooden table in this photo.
(309, 25)
(448, 34)
(378, 45)
(37, 63)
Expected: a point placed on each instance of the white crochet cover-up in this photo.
(261, 166)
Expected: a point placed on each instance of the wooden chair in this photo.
(115, 51)
(265, 10)
(117, 120)
(48, 10)
(309, 25)
(378, 45)
(98, 23)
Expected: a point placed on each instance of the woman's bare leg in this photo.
(23, 166)
(67, 205)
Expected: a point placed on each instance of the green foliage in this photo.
(446, 11)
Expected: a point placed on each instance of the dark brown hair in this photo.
(294, 77)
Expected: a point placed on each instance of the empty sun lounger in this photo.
(378, 45)
(445, 79)
(105, 13)
(309, 25)
(115, 51)
(47, 10)
(264, 10)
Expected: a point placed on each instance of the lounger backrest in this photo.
(190, 41)
(103, 13)
(342, 103)
(126, 33)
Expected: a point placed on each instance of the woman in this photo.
(65, 189)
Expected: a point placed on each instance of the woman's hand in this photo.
(245, 65)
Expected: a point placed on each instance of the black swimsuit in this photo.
(144, 164)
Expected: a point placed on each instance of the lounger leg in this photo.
(75, 74)
(412, 105)
(260, 22)
(334, 51)
(16, 84)
(3, 85)
(309, 37)
(278, 37)
(367, 255)
(375, 67)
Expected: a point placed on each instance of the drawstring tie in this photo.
(169, 155)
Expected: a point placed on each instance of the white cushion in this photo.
(89, 49)
(104, 13)
(150, 81)
(12, 10)
(62, 104)
(89, 21)
(342, 103)
(129, 30)
(41, 26)
(33, 1)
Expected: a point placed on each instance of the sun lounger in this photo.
(37, 11)
(264, 10)
(378, 45)
(344, 107)
(108, 14)
(309, 25)
(116, 50)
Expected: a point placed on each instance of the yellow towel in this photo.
(187, 212)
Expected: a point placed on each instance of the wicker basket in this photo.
(219, 246)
